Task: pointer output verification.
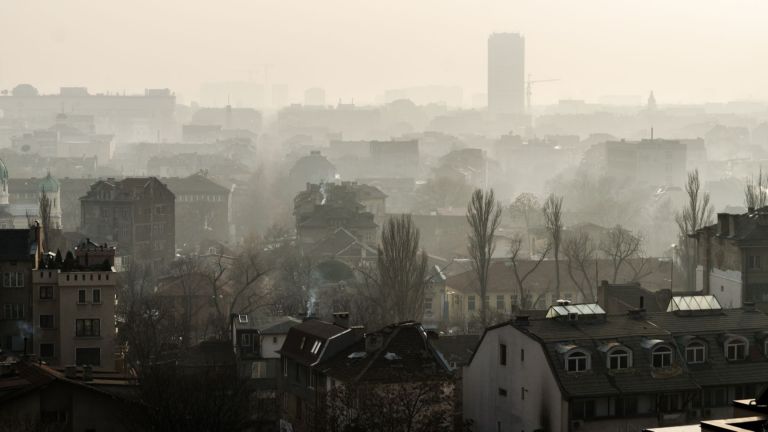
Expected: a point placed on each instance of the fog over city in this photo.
(343, 216)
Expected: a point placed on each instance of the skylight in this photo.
(693, 303)
(578, 309)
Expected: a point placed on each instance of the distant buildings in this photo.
(20, 200)
(203, 209)
(137, 213)
(580, 369)
(63, 139)
(654, 162)
(360, 159)
(506, 73)
(312, 168)
(74, 308)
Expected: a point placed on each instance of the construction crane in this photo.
(529, 90)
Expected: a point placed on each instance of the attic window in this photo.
(316, 347)
(242, 319)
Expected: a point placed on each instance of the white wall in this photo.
(484, 376)
(726, 286)
(269, 346)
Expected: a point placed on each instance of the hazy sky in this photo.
(685, 50)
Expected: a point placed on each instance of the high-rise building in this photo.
(506, 73)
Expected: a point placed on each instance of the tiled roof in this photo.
(196, 183)
(314, 341)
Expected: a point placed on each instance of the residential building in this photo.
(20, 200)
(648, 162)
(732, 258)
(358, 159)
(74, 308)
(20, 253)
(137, 213)
(579, 368)
(301, 382)
(323, 208)
(750, 415)
(35, 395)
(322, 360)
(203, 209)
(313, 168)
(506, 73)
(65, 140)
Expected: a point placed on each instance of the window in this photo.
(618, 359)
(513, 301)
(88, 356)
(662, 357)
(576, 362)
(81, 296)
(13, 279)
(500, 302)
(245, 339)
(502, 392)
(735, 349)
(694, 353)
(316, 347)
(46, 292)
(13, 311)
(522, 355)
(87, 327)
(46, 350)
(753, 261)
(427, 304)
(96, 295)
(502, 354)
(471, 303)
(46, 321)
(312, 379)
(285, 366)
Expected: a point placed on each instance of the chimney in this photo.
(70, 372)
(87, 373)
(521, 320)
(341, 319)
(750, 209)
(373, 342)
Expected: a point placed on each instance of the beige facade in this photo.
(74, 316)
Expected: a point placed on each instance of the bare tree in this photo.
(396, 285)
(514, 252)
(527, 206)
(619, 245)
(697, 213)
(190, 274)
(483, 216)
(756, 191)
(580, 250)
(553, 222)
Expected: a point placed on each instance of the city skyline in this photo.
(687, 52)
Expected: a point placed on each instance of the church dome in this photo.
(49, 184)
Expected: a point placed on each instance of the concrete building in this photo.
(732, 258)
(653, 162)
(203, 209)
(136, 213)
(506, 73)
(74, 308)
(579, 368)
(20, 253)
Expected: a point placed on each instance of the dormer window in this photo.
(316, 347)
(695, 352)
(619, 358)
(736, 348)
(577, 361)
(662, 357)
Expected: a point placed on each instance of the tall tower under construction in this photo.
(506, 73)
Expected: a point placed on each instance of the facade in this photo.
(203, 209)
(136, 213)
(20, 200)
(74, 308)
(506, 73)
(64, 140)
(654, 162)
(732, 258)
(20, 253)
(579, 368)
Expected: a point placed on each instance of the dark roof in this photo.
(456, 348)
(16, 244)
(196, 183)
(639, 333)
(619, 298)
(341, 243)
(324, 338)
(405, 353)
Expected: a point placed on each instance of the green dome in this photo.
(3, 171)
(49, 184)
